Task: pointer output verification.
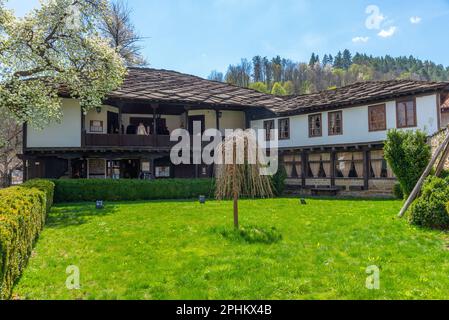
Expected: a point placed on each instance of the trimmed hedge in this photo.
(46, 186)
(23, 211)
(131, 190)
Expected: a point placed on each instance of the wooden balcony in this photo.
(127, 141)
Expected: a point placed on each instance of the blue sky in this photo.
(197, 36)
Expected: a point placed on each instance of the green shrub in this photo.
(22, 217)
(408, 155)
(252, 234)
(278, 181)
(46, 186)
(131, 190)
(430, 209)
(397, 191)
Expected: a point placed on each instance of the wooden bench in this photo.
(324, 191)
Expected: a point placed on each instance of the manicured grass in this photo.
(175, 250)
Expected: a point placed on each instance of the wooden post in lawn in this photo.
(443, 159)
(442, 148)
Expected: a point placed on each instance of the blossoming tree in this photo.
(57, 45)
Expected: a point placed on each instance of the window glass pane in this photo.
(335, 123)
(410, 113)
(315, 125)
(402, 115)
(268, 126)
(377, 118)
(284, 128)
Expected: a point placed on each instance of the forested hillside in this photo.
(282, 76)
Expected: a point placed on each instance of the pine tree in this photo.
(338, 61)
(312, 60)
(346, 59)
(257, 69)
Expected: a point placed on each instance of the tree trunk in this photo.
(5, 181)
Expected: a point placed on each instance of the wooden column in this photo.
(155, 107)
(120, 120)
(333, 168)
(197, 171)
(217, 117)
(69, 168)
(25, 170)
(24, 136)
(366, 162)
(304, 165)
(153, 168)
(83, 128)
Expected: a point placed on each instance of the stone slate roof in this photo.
(356, 94)
(166, 86)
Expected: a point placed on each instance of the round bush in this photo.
(430, 209)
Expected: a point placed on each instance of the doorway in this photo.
(130, 169)
(113, 123)
(193, 119)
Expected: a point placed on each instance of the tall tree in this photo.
(216, 76)
(268, 71)
(118, 27)
(53, 45)
(257, 69)
(346, 59)
(338, 60)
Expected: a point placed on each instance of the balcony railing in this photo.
(127, 140)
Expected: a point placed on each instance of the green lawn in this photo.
(171, 250)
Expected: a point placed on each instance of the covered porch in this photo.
(149, 125)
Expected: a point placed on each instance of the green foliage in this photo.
(397, 191)
(278, 90)
(289, 87)
(259, 86)
(278, 181)
(343, 69)
(22, 217)
(47, 186)
(408, 154)
(129, 190)
(252, 234)
(430, 209)
(57, 43)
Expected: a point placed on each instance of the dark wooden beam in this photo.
(304, 166)
(24, 136)
(217, 118)
(333, 168)
(366, 163)
(155, 107)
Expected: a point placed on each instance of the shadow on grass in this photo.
(75, 215)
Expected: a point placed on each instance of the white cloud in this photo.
(360, 39)
(387, 33)
(415, 20)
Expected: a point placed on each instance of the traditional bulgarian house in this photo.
(330, 141)
(129, 136)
